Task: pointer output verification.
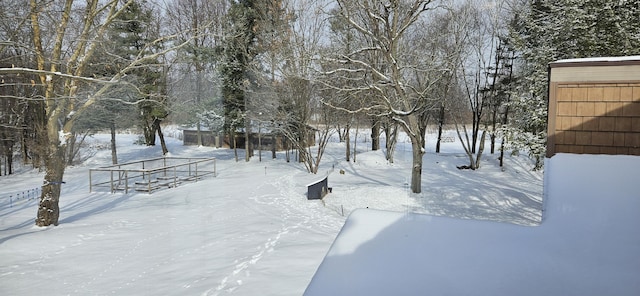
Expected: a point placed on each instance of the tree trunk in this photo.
(149, 133)
(466, 144)
(273, 145)
(494, 121)
(198, 66)
(74, 146)
(355, 142)
(474, 132)
(301, 154)
(416, 167)
(24, 147)
(8, 156)
(234, 143)
(114, 154)
(391, 137)
(156, 126)
(441, 114)
(480, 149)
(71, 144)
(247, 140)
(259, 142)
(472, 164)
(340, 133)
(48, 208)
(375, 135)
(8, 166)
(348, 145)
(504, 122)
(287, 154)
(3, 157)
(501, 158)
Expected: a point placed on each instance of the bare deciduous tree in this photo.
(62, 57)
(478, 74)
(194, 82)
(381, 27)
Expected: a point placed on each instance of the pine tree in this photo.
(543, 31)
(131, 34)
(237, 52)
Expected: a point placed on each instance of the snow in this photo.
(250, 230)
(599, 59)
(586, 245)
(62, 136)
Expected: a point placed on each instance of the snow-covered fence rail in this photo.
(11, 199)
(150, 174)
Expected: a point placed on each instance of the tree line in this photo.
(292, 67)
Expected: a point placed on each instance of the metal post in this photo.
(175, 177)
(164, 166)
(90, 182)
(260, 139)
(149, 182)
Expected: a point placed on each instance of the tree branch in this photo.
(19, 70)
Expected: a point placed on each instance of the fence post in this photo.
(149, 182)
(164, 166)
(175, 177)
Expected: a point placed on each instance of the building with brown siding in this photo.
(594, 106)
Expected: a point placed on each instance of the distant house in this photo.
(594, 106)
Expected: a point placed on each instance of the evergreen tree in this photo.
(131, 34)
(543, 31)
(237, 52)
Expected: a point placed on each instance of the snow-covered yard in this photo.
(248, 231)
(586, 245)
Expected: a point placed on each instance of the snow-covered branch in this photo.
(353, 111)
(50, 74)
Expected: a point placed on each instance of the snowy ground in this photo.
(248, 231)
(587, 243)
